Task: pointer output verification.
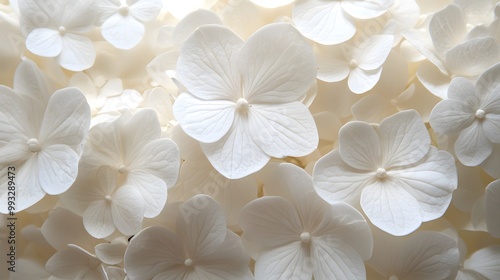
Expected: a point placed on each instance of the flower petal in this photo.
(74, 262)
(431, 182)
(57, 167)
(44, 42)
(123, 32)
(361, 81)
(366, 9)
(277, 65)
(270, 222)
(77, 53)
(391, 208)
(336, 181)
(236, 155)
(205, 120)
(472, 57)
(373, 52)
(447, 28)
(332, 67)
(67, 118)
(98, 220)
(207, 64)
(323, 22)
(485, 261)
(472, 146)
(451, 117)
(290, 261)
(145, 10)
(153, 191)
(491, 126)
(359, 146)
(336, 260)
(433, 79)
(404, 139)
(127, 211)
(283, 130)
(202, 225)
(492, 206)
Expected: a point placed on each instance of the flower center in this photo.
(62, 30)
(107, 198)
(33, 145)
(122, 169)
(188, 262)
(480, 114)
(381, 173)
(242, 104)
(305, 237)
(124, 10)
(353, 63)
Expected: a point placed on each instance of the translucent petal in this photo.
(373, 52)
(77, 53)
(57, 167)
(492, 206)
(153, 191)
(447, 28)
(366, 9)
(123, 32)
(205, 120)
(472, 57)
(485, 261)
(290, 261)
(207, 64)
(192, 21)
(277, 65)
(127, 211)
(491, 126)
(145, 10)
(472, 146)
(98, 220)
(361, 81)
(433, 79)
(44, 42)
(359, 146)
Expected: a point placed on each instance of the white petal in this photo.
(16, 127)
(127, 211)
(145, 10)
(490, 165)
(207, 63)
(153, 251)
(485, 261)
(290, 261)
(202, 225)
(37, 87)
(472, 57)
(447, 28)
(433, 79)
(270, 222)
(391, 208)
(431, 182)
(153, 191)
(283, 130)
(112, 253)
(492, 207)
(472, 147)
(323, 22)
(488, 82)
(73, 263)
(77, 53)
(491, 126)
(451, 116)
(142, 128)
(404, 139)
(271, 4)
(44, 42)
(277, 65)
(58, 167)
(236, 155)
(366, 9)
(373, 52)
(361, 81)
(337, 260)
(192, 21)
(98, 220)
(205, 120)
(123, 32)
(67, 118)
(335, 181)
(331, 67)
(107, 8)
(359, 146)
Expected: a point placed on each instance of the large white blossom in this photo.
(473, 113)
(297, 235)
(334, 22)
(41, 137)
(244, 99)
(391, 170)
(200, 247)
(57, 29)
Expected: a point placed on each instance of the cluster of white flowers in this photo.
(250, 139)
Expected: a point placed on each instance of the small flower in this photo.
(244, 100)
(200, 247)
(294, 234)
(391, 170)
(473, 113)
(41, 135)
(75, 262)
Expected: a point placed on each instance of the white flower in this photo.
(334, 22)
(421, 255)
(472, 113)
(244, 101)
(201, 247)
(55, 29)
(133, 148)
(391, 170)
(76, 263)
(122, 20)
(294, 234)
(482, 264)
(362, 64)
(41, 136)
